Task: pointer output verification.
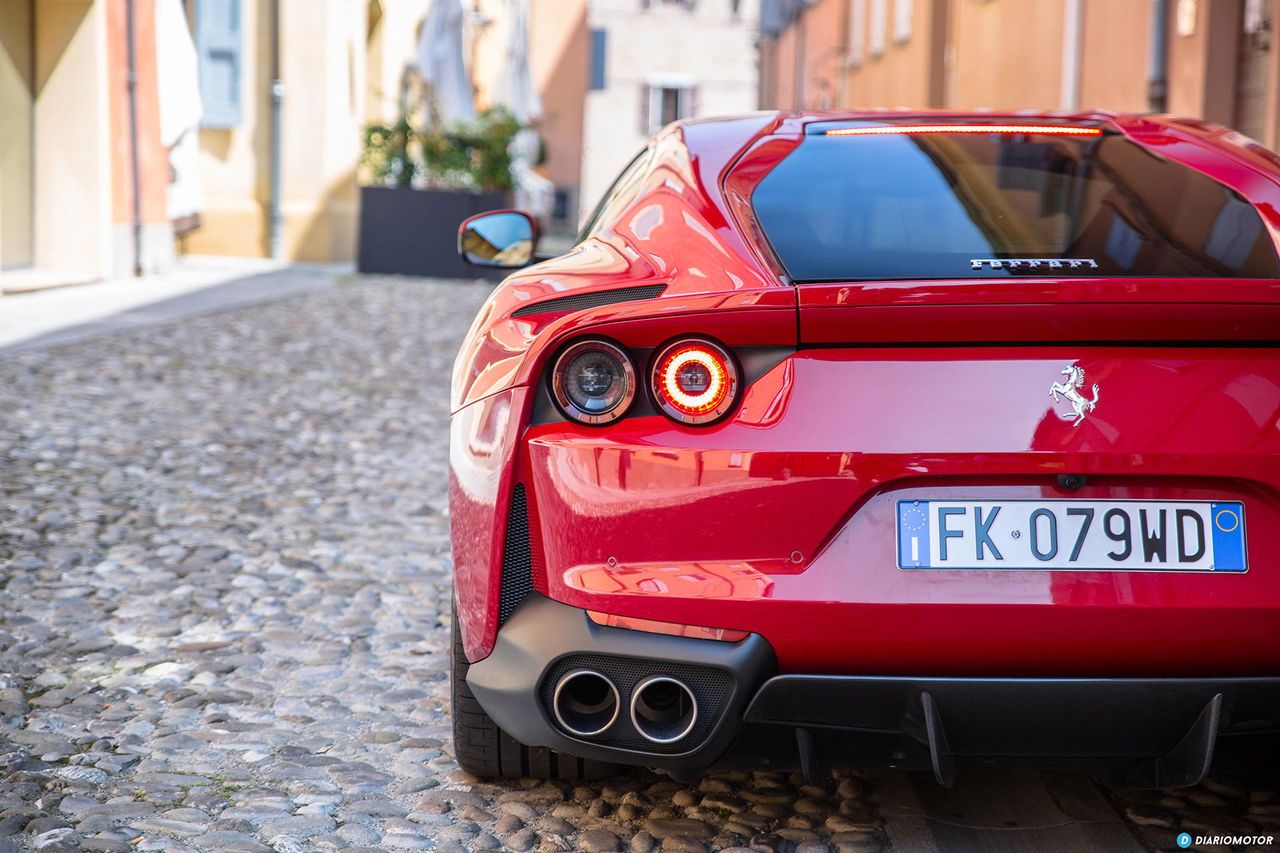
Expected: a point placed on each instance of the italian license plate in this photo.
(1189, 536)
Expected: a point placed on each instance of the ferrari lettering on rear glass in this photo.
(1032, 263)
(1064, 534)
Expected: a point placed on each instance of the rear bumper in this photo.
(782, 519)
(1142, 732)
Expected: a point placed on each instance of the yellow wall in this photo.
(15, 133)
(72, 174)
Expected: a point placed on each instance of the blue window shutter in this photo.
(597, 58)
(220, 42)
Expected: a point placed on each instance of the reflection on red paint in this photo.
(671, 628)
(736, 580)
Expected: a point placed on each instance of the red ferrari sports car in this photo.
(877, 439)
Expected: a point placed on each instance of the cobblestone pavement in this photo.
(225, 602)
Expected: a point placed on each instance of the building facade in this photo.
(340, 66)
(67, 190)
(1210, 59)
(280, 92)
(74, 206)
(655, 61)
(612, 72)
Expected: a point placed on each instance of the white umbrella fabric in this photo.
(515, 90)
(441, 64)
(178, 75)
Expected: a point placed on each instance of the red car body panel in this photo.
(774, 520)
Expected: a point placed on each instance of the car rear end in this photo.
(1011, 497)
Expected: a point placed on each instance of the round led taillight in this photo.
(694, 381)
(594, 382)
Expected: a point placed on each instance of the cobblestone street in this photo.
(224, 614)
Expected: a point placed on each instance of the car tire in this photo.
(485, 750)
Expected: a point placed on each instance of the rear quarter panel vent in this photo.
(595, 299)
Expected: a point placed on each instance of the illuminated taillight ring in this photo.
(694, 381)
(593, 382)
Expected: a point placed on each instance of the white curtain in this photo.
(441, 63)
(178, 76)
(514, 89)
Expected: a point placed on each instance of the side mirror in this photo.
(504, 239)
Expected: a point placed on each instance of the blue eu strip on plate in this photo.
(1228, 537)
(913, 534)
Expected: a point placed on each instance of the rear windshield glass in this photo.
(958, 205)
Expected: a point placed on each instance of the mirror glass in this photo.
(498, 240)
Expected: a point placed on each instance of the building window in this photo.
(560, 208)
(857, 32)
(879, 13)
(664, 100)
(597, 58)
(902, 21)
(668, 104)
(219, 42)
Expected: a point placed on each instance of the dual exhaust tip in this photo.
(663, 709)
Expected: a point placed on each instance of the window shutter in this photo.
(879, 13)
(690, 107)
(645, 95)
(902, 21)
(857, 31)
(220, 42)
(598, 43)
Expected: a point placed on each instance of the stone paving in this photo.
(224, 607)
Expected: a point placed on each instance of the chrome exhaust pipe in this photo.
(585, 702)
(663, 709)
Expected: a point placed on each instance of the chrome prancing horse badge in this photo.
(1071, 390)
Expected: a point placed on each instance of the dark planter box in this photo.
(405, 231)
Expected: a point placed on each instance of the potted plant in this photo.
(418, 185)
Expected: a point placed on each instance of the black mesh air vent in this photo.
(591, 300)
(517, 557)
(711, 686)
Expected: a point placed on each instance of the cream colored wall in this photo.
(709, 43)
(322, 120)
(16, 98)
(233, 219)
(72, 172)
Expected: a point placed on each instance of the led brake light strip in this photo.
(1058, 130)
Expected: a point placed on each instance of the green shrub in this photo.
(469, 154)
